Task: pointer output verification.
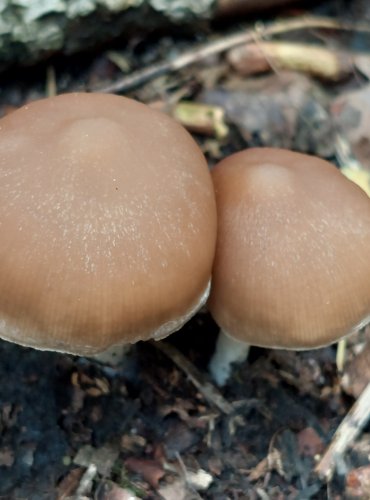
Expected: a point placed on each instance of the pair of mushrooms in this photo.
(108, 235)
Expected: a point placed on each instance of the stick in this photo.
(347, 432)
(85, 485)
(198, 54)
(209, 391)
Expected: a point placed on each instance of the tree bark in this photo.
(32, 30)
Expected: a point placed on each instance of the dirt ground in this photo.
(73, 428)
(146, 427)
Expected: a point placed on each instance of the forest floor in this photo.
(154, 427)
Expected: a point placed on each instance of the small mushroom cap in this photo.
(292, 265)
(107, 224)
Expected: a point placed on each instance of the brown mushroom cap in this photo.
(292, 266)
(107, 224)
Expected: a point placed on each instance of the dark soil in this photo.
(57, 408)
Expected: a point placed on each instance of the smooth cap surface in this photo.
(292, 265)
(107, 223)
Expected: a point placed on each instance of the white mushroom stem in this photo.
(228, 351)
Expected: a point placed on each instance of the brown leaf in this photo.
(132, 442)
(309, 443)
(69, 483)
(6, 457)
(178, 438)
(215, 465)
(150, 470)
(259, 470)
(358, 483)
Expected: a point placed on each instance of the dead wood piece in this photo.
(32, 30)
(347, 432)
(203, 119)
(321, 62)
(86, 482)
(200, 53)
(208, 390)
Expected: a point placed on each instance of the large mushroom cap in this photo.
(107, 223)
(292, 266)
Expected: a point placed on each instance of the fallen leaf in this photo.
(358, 483)
(151, 471)
(215, 465)
(115, 492)
(103, 458)
(69, 484)
(309, 443)
(174, 491)
(259, 470)
(285, 110)
(132, 442)
(178, 438)
(6, 457)
(199, 480)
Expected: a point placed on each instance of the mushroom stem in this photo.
(228, 351)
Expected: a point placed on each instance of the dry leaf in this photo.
(174, 491)
(103, 458)
(151, 471)
(69, 484)
(309, 443)
(358, 483)
(6, 457)
(259, 470)
(115, 492)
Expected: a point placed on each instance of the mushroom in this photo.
(292, 264)
(107, 224)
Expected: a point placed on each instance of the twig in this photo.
(209, 391)
(198, 54)
(340, 357)
(347, 432)
(84, 487)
